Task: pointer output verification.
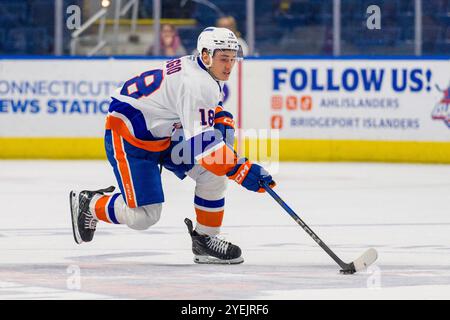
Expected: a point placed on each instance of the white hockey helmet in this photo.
(213, 38)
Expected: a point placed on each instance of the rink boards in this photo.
(289, 109)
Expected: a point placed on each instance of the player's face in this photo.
(222, 64)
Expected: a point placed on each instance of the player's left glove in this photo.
(224, 123)
(250, 175)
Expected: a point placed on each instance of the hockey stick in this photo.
(365, 260)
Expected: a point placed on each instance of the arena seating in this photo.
(290, 27)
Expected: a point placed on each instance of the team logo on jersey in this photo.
(441, 110)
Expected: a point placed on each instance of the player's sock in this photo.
(113, 209)
(209, 215)
(104, 207)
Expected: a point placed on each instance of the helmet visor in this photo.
(233, 55)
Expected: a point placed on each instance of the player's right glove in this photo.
(250, 175)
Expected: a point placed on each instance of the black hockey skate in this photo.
(83, 221)
(212, 250)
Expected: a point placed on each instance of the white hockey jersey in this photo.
(147, 109)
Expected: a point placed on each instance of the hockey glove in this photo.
(224, 123)
(250, 175)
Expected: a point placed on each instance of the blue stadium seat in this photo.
(301, 12)
(407, 24)
(267, 32)
(268, 47)
(407, 7)
(2, 39)
(42, 12)
(205, 16)
(432, 38)
(350, 33)
(431, 7)
(16, 41)
(39, 40)
(443, 43)
(28, 40)
(264, 8)
(146, 9)
(387, 36)
(325, 18)
(236, 9)
(13, 13)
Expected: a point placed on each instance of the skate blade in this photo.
(74, 202)
(212, 260)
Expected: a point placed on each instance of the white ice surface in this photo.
(403, 211)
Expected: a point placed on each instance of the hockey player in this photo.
(173, 117)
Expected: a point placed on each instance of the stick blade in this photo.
(365, 260)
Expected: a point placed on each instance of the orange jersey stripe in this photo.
(124, 170)
(219, 161)
(119, 126)
(209, 219)
(100, 209)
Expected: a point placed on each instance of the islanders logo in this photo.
(442, 110)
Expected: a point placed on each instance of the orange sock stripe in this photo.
(124, 170)
(100, 209)
(208, 218)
